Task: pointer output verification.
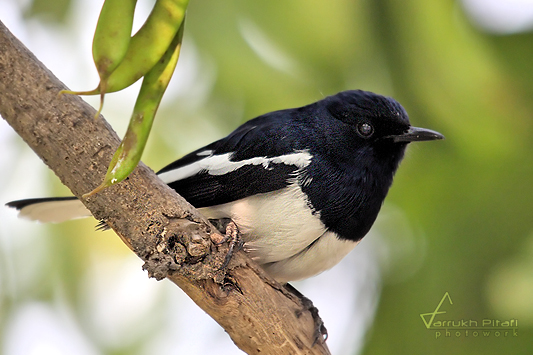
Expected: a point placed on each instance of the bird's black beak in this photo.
(416, 134)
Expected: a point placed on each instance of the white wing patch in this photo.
(204, 153)
(222, 164)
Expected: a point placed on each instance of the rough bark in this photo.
(173, 239)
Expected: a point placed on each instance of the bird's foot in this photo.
(231, 234)
(321, 333)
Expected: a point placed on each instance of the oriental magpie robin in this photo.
(303, 185)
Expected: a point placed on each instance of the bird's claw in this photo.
(320, 333)
(231, 234)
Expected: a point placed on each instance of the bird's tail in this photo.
(52, 209)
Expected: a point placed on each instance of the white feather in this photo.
(222, 164)
(278, 228)
(54, 211)
(325, 253)
(204, 153)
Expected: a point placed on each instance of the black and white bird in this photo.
(303, 185)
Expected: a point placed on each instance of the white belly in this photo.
(278, 228)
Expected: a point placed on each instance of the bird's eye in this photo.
(365, 130)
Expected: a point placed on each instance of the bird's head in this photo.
(376, 122)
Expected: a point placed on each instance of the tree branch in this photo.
(173, 239)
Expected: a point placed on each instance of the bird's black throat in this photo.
(349, 198)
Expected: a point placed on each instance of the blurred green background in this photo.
(467, 200)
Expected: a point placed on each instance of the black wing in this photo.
(256, 158)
